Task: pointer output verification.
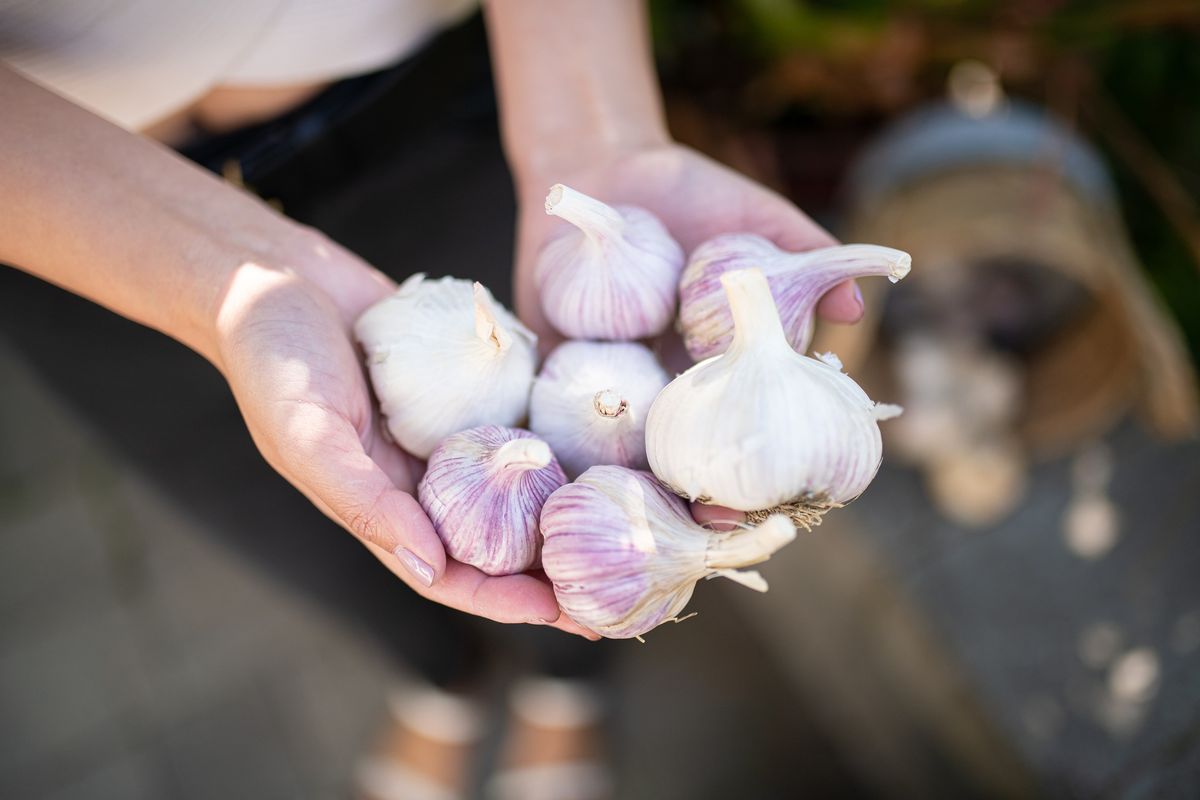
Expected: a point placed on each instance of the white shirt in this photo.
(137, 61)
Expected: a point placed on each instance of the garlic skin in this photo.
(798, 281)
(590, 402)
(444, 356)
(484, 490)
(611, 274)
(762, 426)
(624, 553)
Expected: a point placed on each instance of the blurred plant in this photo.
(1125, 73)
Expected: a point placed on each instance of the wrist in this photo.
(576, 83)
(539, 162)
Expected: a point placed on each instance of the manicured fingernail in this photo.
(862, 306)
(418, 568)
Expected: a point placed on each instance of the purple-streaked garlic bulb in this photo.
(483, 491)
(611, 274)
(798, 280)
(590, 403)
(444, 356)
(624, 553)
(761, 428)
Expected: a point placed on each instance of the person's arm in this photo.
(580, 105)
(127, 223)
(118, 218)
(576, 82)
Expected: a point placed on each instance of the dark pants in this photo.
(403, 167)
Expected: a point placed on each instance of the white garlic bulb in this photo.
(624, 554)
(444, 356)
(484, 490)
(761, 426)
(613, 275)
(798, 281)
(590, 403)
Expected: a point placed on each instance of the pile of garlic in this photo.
(756, 426)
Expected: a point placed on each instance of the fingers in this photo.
(568, 625)
(508, 599)
(402, 468)
(324, 456)
(842, 303)
(795, 231)
(718, 518)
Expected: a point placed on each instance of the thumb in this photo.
(795, 231)
(331, 467)
(718, 518)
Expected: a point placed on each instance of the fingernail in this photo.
(418, 568)
(862, 306)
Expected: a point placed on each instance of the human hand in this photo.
(695, 197)
(284, 344)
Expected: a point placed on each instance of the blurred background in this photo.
(1011, 610)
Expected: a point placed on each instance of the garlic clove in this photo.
(624, 554)
(590, 403)
(444, 356)
(797, 280)
(483, 490)
(762, 428)
(611, 274)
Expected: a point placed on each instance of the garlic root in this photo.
(806, 514)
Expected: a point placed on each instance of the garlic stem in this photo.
(818, 271)
(609, 404)
(522, 455)
(857, 260)
(743, 547)
(591, 216)
(486, 326)
(750, 299)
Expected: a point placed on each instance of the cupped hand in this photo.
(694, 196)
(284, 344)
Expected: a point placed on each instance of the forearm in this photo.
(575, 78)
(119, 219)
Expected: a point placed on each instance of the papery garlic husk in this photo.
(590, 402)
(611, 274)
(484, 490)
(798, 281)
(624, 553)
(762, 427)
(444, 356)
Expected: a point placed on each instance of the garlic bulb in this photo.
(444, 356)
(611, 276)
(762, 426)
(590, 403)
(483, 491)
(624, 554)
(798, 280)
